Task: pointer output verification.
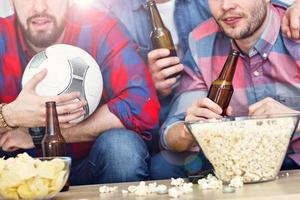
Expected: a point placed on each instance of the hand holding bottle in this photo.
(205, 109)
(163, 70)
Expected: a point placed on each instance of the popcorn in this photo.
(211, 182)
(177, 182)
(177, 191)
(132, 188)
(106, 189)
(161, 189)
(251, 149)
(142, 189)
(180, 188)
(236, 182)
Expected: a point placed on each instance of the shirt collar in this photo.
(269, 36)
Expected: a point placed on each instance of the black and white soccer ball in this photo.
(69, 69)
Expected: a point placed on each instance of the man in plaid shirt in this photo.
(267, 78)
(115, 150)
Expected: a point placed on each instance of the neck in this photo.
(34, 49)
(246, 44)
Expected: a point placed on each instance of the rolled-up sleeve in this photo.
(128, 88)
(192, 87)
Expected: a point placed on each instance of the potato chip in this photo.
(58, 181)
(26, 178)
(39, 186)
(25, 192)
(9, 193)
(46, 170)
(58, 164)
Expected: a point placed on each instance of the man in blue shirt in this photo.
(187, 14)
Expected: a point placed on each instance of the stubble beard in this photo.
(256, 19)
(43, 39)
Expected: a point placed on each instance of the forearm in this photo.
(179, 139)
(101, 121)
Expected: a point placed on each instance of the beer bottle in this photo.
(160, 36)
(221, 89)
(53, 143)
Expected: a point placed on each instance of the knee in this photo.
(122, 154)
(121, 143)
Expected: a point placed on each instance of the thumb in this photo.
(35, 80)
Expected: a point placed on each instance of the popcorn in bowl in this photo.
(24, 177)
(252, 148)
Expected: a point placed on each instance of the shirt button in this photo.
(256, 73)
(265, 55)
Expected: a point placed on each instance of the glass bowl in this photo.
(250, 147)
(25, 177)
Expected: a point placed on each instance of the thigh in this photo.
(118, 155)
(168, 164)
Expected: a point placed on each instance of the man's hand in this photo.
(290, 25)
(179, 138)
(269, 106)
(28, 110)
(16, 139)
(161, 68)
(205, 109)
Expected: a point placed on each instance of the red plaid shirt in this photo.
(128, 89)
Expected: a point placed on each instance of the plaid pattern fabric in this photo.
(272, 69)
(128, 88)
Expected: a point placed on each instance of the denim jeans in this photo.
(167, 164)
(118, 155)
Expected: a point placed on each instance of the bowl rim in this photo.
(53, 157)
(244, 118)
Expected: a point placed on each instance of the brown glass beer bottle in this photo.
(221, 89)
(53, 143)
(160, 35)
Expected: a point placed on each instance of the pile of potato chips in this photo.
(26, 178)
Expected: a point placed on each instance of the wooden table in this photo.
(286, 187)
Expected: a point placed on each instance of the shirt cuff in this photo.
(163, 135)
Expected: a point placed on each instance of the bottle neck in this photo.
(155, 17)
(52, 124)
(228, 70)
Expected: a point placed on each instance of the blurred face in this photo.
(42, 21)
(239, 19)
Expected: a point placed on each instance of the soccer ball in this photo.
(69, 69)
